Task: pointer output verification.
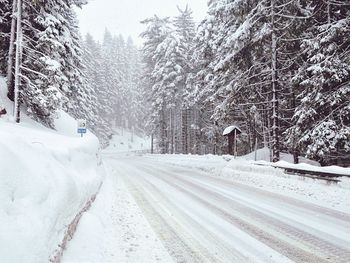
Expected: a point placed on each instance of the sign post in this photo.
(82, 127)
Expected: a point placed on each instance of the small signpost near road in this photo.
(82, 127)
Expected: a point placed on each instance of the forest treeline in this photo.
(62, 71)
(279, 69)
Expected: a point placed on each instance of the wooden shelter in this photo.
(232, 132)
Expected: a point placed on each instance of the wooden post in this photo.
(18, 62)
(231, 143)
(235, 145)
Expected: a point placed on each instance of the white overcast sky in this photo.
(124, 16)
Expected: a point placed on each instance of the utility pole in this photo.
(275, 128)
(10, 91)
(18, 62)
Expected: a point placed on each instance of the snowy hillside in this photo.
(124, 141)
(46, 178)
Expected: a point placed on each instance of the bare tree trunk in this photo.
(265, 127)
(216, 139)
(163, 135)
(196, 126)
(172, 132)
(275, 124)
(10, 87)
(152, 143)
(184, 132)
(256, 149)
(249, 134)
(295, 146)
(18, 62)
(269, 142)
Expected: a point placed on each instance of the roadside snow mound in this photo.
(265, 176)
(46, 177)
(209, 163)
(264, 155)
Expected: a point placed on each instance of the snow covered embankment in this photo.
(46, 178)
(244, 170)
(319, 192)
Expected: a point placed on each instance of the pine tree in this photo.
(168, 77)
(50, 64)
(94, 79)
(185, 121)
(248, 55)
(113, 72)
(157, 30)
(321, 121)
(137, 107)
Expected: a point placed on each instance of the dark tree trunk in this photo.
(184, 132)
(11, 58)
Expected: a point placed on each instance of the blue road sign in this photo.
(82, 130)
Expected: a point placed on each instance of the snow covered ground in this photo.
(188, 208)
(203, 217)
(246, 171)
(115, 229)
(46, 178)
(124, 141)
(264, 155)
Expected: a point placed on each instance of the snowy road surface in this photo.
(200, 218)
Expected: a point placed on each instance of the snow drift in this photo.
(46, 178)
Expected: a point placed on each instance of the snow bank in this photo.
(212, 164)
(268, 178)
(264, 155)
(46, 177)
(307, 167)
(115, 229)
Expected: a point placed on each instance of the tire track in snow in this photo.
(175, 232)
(313, 208)
(222, 251)
(180, 246)
(302, 241)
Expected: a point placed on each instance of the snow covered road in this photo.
(200, 218)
